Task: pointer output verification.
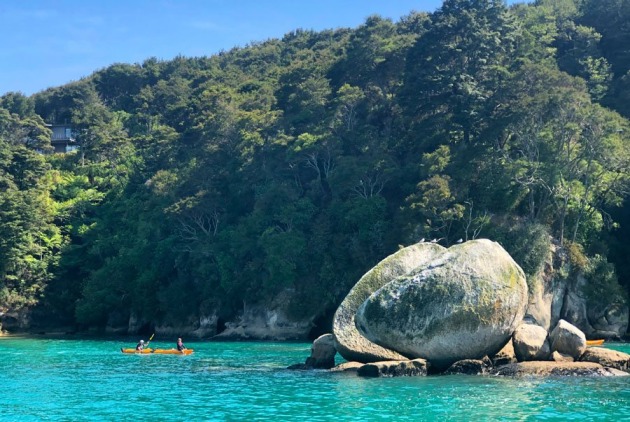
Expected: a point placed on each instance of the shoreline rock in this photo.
(547, 368)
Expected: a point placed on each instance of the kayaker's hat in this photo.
(141, 341)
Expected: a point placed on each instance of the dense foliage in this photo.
(281, 171)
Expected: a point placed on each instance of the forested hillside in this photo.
(281, 171)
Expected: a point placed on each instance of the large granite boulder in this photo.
(464, 304)
(348, 341)
(568, 339)
(530, 343)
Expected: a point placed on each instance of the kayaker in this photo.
(180, 345)
(140, 346)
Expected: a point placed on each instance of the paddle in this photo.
(150, 338)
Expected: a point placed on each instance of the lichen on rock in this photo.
(348, 341)
(464, 304)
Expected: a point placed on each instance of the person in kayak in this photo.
(180, 345)
(140, 346)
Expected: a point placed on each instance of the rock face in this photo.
(546, 295)
(406, 368)
(262, 323)
(552, 297)
(348, 341)
(200, 327)
(15, 321)
(568, 339)
(530, 343)
(465, 304)
(606, 320)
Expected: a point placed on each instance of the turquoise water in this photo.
(91, 380)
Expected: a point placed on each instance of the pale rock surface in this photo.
(561, 357)
(607, 357)
(568, 339)
(530, 343)
(352, 345)
(542, 369)
(465, 304)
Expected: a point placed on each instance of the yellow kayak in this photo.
(173, 352)
(594, 342)
(158, 351)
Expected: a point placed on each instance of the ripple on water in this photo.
(92, 380)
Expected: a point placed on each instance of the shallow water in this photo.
(91, 380)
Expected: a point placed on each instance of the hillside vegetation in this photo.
(287, 168)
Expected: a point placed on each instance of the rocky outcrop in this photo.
(552, 295)
(568, 339)
(597, 319)
(530, 343)
(349, 342)
(464, 304)
(15, 321)
(607, 357)
(201, 327)
(545, 293)
(542, 369)
(406, 368)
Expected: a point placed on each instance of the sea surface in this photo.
(62, 379)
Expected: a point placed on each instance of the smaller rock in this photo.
(607, 357)
(530, 343)
(347, 367)
(469, 367)
(505, 355)
(322, 352)
(568, 339)
(299, 367)
(542, 369)
(561, 357)
(394, 368)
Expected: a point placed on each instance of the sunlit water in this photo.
(92, 380)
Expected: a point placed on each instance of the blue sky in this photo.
(51, 42)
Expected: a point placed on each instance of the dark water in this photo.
(92, 380)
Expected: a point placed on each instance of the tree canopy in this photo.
(289, 167)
